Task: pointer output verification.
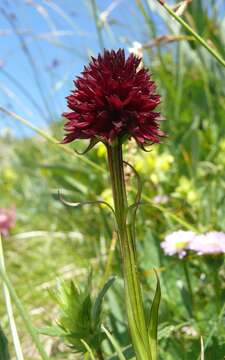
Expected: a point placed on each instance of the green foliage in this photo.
(153, 321)
(80, 316)
(4, 352)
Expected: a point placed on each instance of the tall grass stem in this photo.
(193, 33)
(24, 315)
(97, 24)
(9, 308)
(48, 137)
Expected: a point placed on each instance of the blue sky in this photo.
(44, 45)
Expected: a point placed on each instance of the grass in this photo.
(52, 241)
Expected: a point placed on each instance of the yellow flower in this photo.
(186, 189)
(154, 178)
(145, 162)
(101, 150)
(139, 163)
(222, 145)
(164, 161)
(192, 196)
(220, 159)
(184, 186)
(154, 164)
(9, 175)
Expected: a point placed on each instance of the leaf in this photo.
(86, 311)
(96, 311)
(128, 353)
(181, 7)
(81, 203)
(153, 321)
(92, 143)
(88, 349)
(4, 352)
(114, 343)
(52, 331)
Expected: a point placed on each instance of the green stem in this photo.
(114, 343)
(189, 285)
(217, 289)
(133, 297)
(191, 31)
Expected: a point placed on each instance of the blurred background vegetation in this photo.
(45, 44)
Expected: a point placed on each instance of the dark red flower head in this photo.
(113, 98)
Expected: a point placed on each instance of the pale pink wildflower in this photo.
(161, 199)
(177, 243)
(212, 242)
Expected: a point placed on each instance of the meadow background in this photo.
(44, 45)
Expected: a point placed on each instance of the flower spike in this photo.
(113, 98)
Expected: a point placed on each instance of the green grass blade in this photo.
(98, 302)
(97, 23)
(88, 349)
(202, 349)
(193, 33)
(153, 321)
(50, 138)
(114, 343)
(109, 260)
(213, 331)
(23, 313)
(15, 337)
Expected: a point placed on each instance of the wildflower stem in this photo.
(216, 284)
(133, 297)
(188, 280)
(217, 291)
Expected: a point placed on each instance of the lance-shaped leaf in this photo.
(153, 321)
(115, 344)
(96, 311)
(128, 353)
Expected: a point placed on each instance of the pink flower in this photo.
(212, 242)
(177, 242)
(161, 199)
(7, 220)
